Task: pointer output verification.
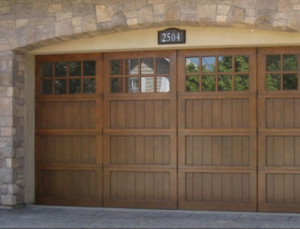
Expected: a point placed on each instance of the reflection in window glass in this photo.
(116, 67)
(60, 86)
(147, 66)
(47, 87)
(162, 84)
(75, 68)
(290, 82)
(192, 83)
(273, 82)
(61, 68)
(273, 63)
(290, 62)
(132, 67)
(241, 83)
(208, 64)
(89, 86)
(47, 69)
(241, 63)
(147, 84)
(89, 68)
(225, 63)
(132, 85)
(162, 65)
(225, 83)
(75, 86)
(208, 83)
(191, 64)
(116, 85)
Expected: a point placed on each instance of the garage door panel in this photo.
(140, 188)
(64, 149)
(68, 146)
(70, 187)
(140, 142)
(281, 112)
(218, 150)
(67, 115)
(217, 113)
(217, 190)
(139, 185)
(281, 191)
(144, 114)
(217, 130)
(278, 129)
(135, 149)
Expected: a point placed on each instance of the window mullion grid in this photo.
(82, 78)
(233, 74)
(200, 73)
(124, 77)
(281, 72)
(217, 74)
(155, 75)
(67, 78)
(53, 78)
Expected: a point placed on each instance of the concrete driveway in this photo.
(79, 217)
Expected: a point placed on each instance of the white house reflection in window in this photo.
(147, 84)
(133, 85)
(162, 84)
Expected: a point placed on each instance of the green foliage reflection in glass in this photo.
(225, 83)
(60, 86)
(89, 86)
(116, 67)
(290, 82)
(75, 86)
(191, 64)
(75, 68)
(208, 83)
(273, 63)
(273, 82)
(61, 68)
(208, 64)
(241, 63)
(225, 63)
(192, 83)
(290, 62)
(241, 83)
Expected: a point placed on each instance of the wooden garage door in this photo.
(217, 129)
(140, 130)
(279, 129)
(68, 130)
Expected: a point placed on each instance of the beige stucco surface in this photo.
(196, 37)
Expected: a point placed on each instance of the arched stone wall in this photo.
(30, 24)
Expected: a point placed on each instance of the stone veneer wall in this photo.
(30, 24)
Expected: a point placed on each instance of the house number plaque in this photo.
(171, 36)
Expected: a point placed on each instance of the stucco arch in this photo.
(26, 26)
